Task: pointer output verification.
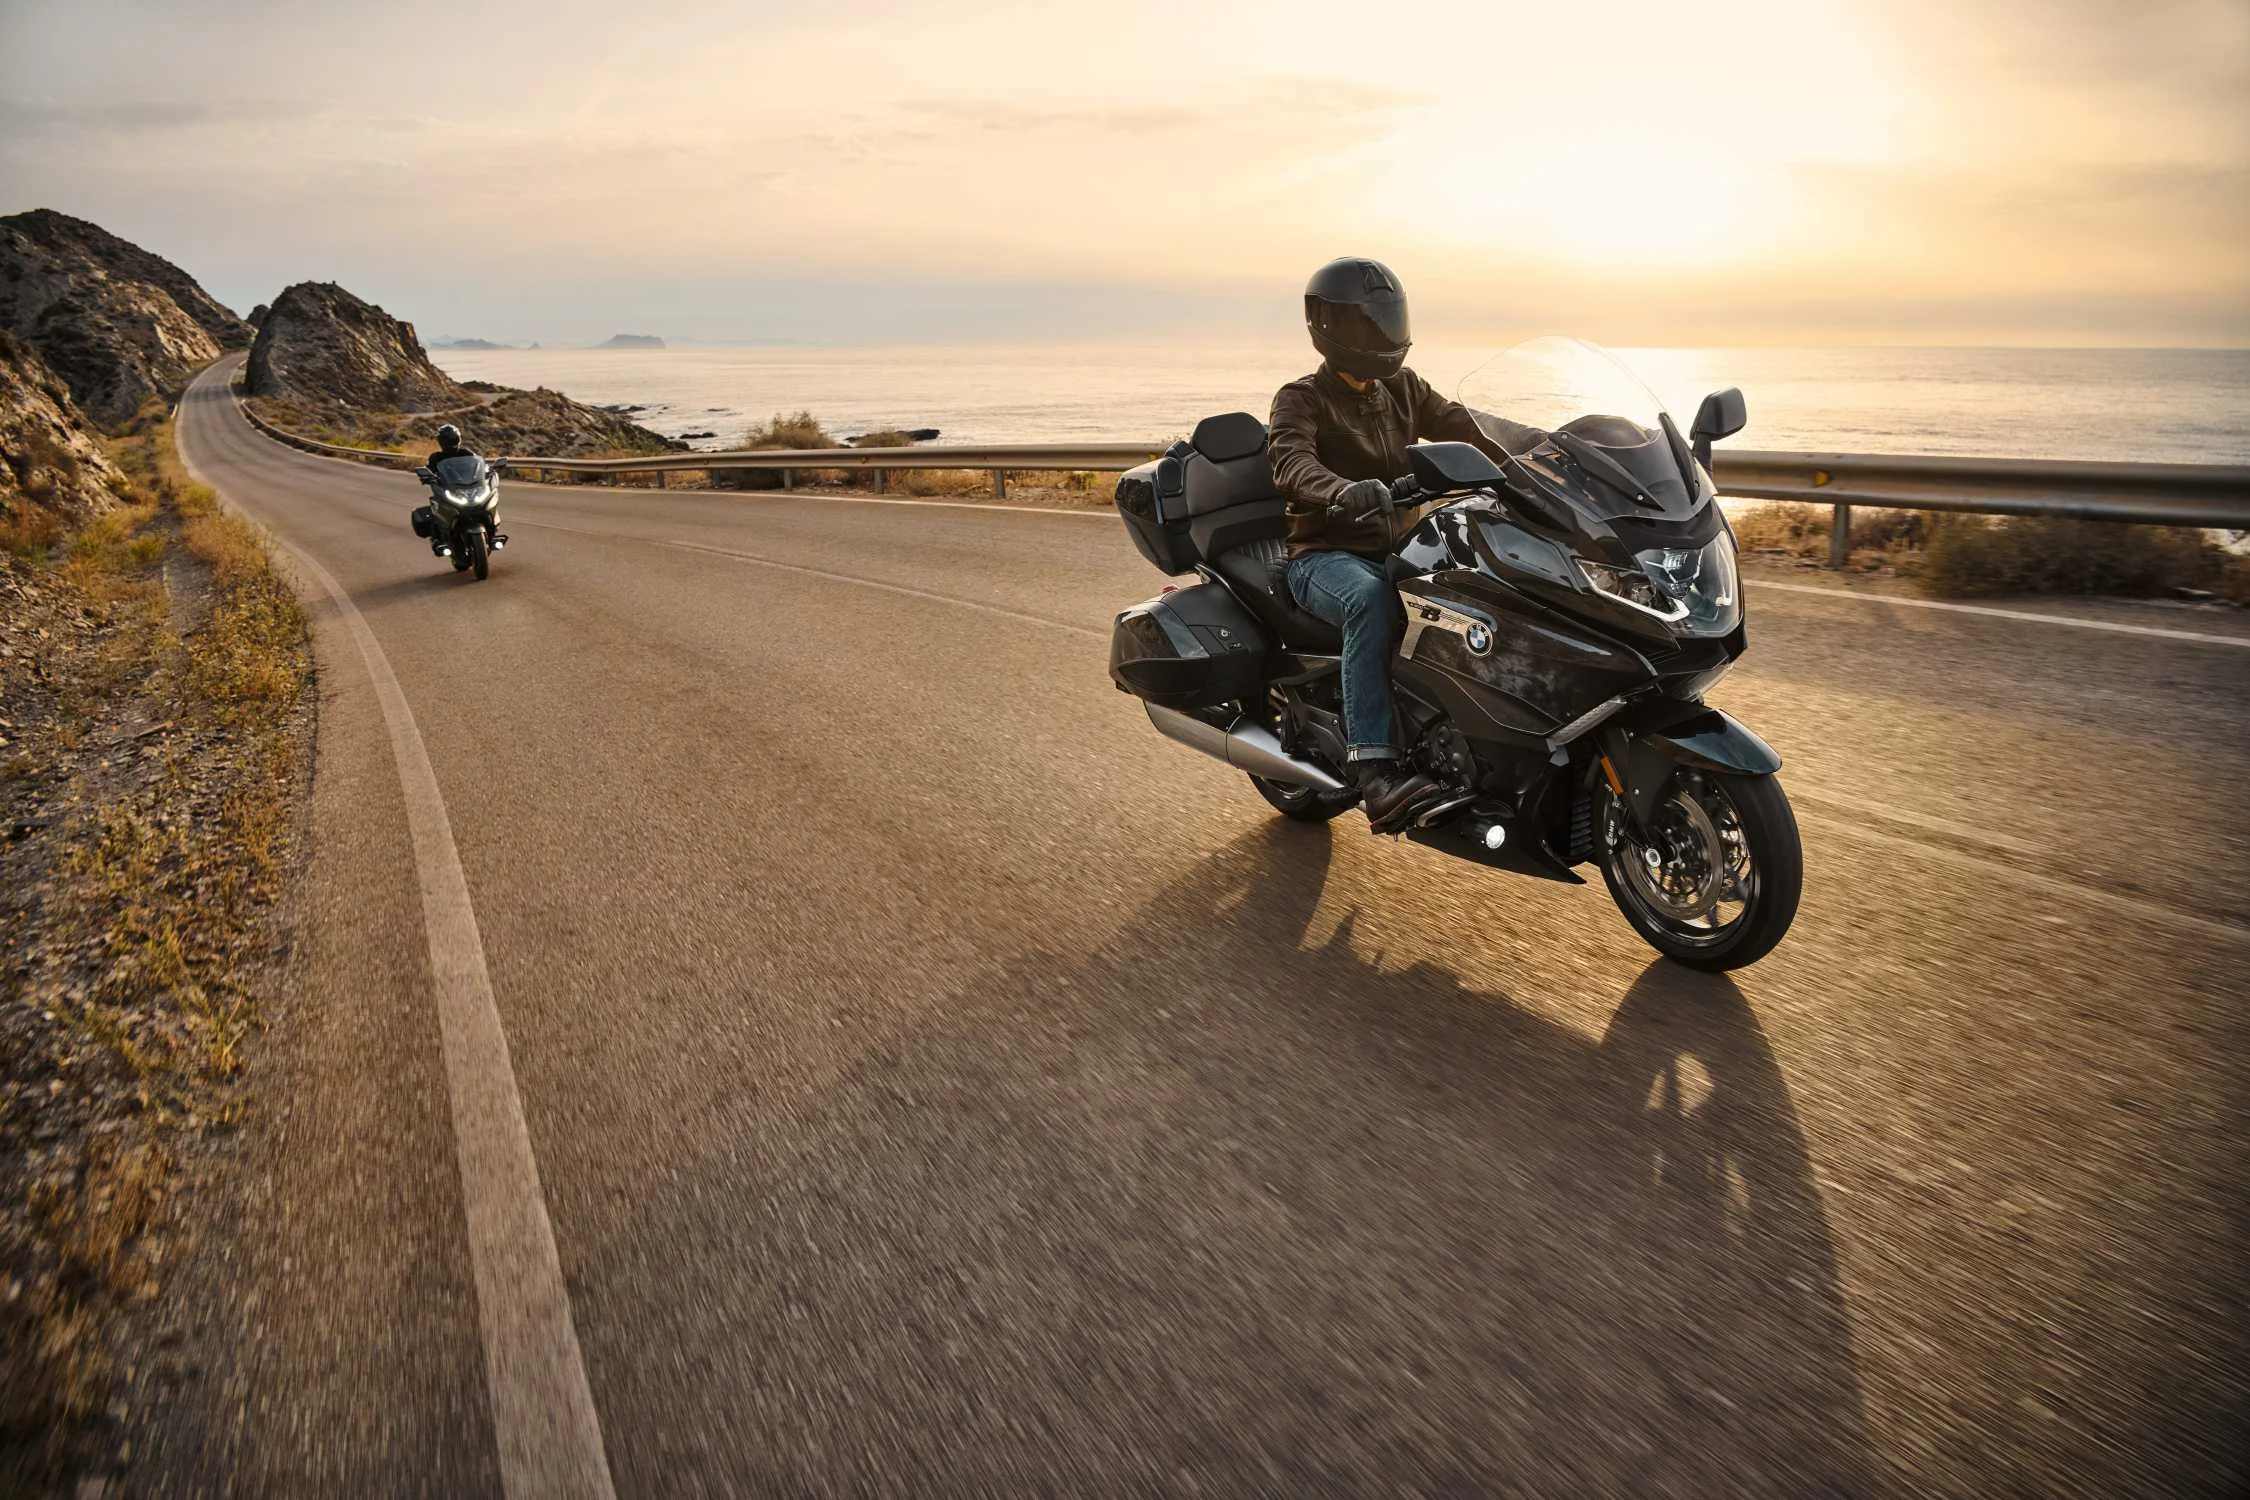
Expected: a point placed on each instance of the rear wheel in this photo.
(1306, 804)
(479, 558)
(1714, 881)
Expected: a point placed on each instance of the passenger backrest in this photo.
(1229, 491)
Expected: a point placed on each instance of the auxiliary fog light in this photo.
(1494, 835)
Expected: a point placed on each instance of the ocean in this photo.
(2156, 405)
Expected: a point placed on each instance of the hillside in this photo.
(117, 323)
(331, 365)
(53, 473)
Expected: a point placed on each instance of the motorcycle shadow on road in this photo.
(1218, 1203)
(436, 580)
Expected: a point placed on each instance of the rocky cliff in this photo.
(53, 474)
(330, 365)
(119, 324)
(326, 351)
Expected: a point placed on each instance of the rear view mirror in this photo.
(1451, 466)
(1722, 415)
(427, 476)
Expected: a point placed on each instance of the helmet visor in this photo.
(1375, 326)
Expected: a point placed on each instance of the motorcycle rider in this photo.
(1338, 438)
(449, 445)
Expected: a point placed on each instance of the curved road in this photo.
(939, 1083)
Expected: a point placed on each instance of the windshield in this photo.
(1591, 407)
(464, 471)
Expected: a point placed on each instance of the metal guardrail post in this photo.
(788, 479)
(881, 478)
(1840, 537)
(999, 484)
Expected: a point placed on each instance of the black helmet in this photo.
(449, 436)
(1356, 312)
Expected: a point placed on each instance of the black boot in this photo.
(1390, 791)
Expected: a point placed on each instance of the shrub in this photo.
(1801, 529)
(789, 430)
(2042, 555)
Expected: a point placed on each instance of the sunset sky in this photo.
(1904, 171)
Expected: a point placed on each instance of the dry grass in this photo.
(1959, 556)
(1970, 555)
(160, 770)
(1800, 530)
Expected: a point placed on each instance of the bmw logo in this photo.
(1479, 637)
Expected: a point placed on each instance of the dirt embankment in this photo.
(328, 365)
(154, 730)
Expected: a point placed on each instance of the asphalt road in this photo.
(939, 1083)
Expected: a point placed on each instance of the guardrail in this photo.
(2205, 495)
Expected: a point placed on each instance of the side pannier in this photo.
(1190, 648)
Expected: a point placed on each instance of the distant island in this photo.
(631, 341)
(466, 344)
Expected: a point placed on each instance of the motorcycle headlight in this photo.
(467, 497)
(1631, 586)
(1701, 582)
(1694, 590)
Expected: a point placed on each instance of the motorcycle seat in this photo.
(1254, 571)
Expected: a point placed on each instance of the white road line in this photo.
(1962, 831)
(2065, 890)
(2031, 616)
(549, 1438)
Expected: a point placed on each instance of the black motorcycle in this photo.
(1561, 615)
(462, 520)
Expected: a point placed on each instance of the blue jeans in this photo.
(1351, 593)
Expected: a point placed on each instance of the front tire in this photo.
(1716, 884)
(479, 558)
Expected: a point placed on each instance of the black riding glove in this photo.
(1363, 498)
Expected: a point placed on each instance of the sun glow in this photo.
(1618, 200)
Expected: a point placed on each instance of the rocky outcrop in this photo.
(119, 324)
(548, 422)
(51, 469)
(330, 365)
(325, 351)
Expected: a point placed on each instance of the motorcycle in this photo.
(1561, 614)
(462, 520)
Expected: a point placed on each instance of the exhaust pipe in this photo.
(1246, 747)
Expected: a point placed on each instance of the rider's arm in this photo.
(1308, 486)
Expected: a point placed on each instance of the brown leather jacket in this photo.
(1326, 435)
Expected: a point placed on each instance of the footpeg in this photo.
(1444, 807)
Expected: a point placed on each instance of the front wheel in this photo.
(1713, 881)
(479, 558)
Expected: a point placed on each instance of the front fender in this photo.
(1647, 749)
